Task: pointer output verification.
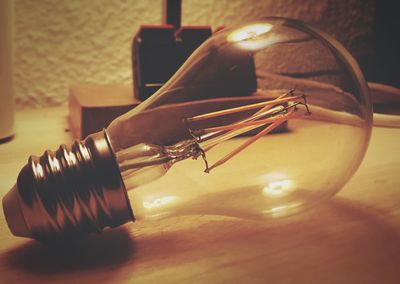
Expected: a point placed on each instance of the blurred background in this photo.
(58, 43)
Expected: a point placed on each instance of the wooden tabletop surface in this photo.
(352, 238)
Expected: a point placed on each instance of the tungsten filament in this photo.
(270, 115)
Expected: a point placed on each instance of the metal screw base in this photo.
(69, 193)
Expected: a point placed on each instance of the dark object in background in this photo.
(386, 44)
(159, 51)
(153, 59)
(172, 10)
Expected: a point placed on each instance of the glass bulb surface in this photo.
(279, 111)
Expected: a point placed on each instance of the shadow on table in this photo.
(111, 248)
(339, 242)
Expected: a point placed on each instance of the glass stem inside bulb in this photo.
(144, 163)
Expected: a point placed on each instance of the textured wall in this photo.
(62, 42)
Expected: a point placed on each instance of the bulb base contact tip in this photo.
(14, 216)
(69, 193)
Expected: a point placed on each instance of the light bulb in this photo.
(262, 121)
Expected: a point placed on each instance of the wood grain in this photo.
(352, 238)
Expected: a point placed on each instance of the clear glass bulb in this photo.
(263, 120)
(221, 107)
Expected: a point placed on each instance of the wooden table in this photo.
(352, 238)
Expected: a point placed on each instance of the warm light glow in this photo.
(249, 32)
(277, 184)
(279, 211)
(278, 188)
(158, 202)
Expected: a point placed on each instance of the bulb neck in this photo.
(69, 193)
